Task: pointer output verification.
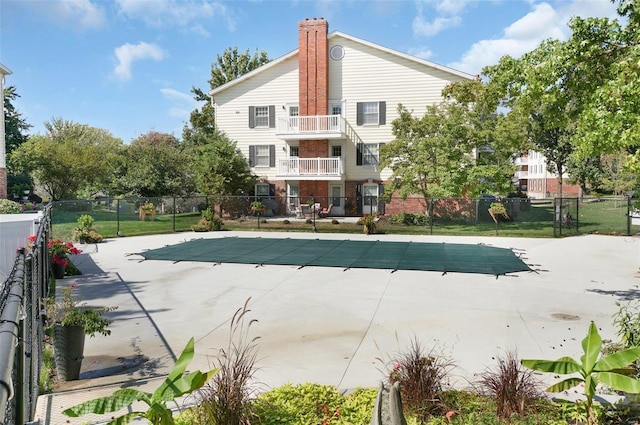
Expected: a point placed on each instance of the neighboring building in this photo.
(3, 150)
(311, 122)
(537, 182)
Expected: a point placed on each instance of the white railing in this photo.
(522, 174)
(311, 125)
(310, 167)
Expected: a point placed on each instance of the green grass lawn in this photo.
(536, 221)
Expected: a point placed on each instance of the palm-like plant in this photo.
(175, 385)
(611, 370)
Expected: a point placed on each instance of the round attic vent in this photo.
(336, 53)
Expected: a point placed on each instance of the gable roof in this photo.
(4, 70)
(334, 34)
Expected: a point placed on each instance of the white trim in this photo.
(334, 34)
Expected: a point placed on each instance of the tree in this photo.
(615, 176)
(603, 55)
(429, 155)
(68, 158)
(219, 167)
(228, 66)
(541, 95)
(152, 165)
(15, 129)
(15, 125)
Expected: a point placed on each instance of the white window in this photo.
(262, 156)
(294, 151)
(262, 116)
(262, 189)
(294, 111)
(336, 151)
(370, 113)
(370, 154)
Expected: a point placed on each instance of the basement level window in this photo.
(336, 53)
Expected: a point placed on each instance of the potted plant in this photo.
(59, 252)
(71, 321)
(147, 209)
(257, 207)
(84, 233)
(369, 224)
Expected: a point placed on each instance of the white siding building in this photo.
(311, 122)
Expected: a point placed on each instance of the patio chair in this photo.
(325, 212)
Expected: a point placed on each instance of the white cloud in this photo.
(450, 6)
(435, 16)
(525, 34)
(421, 52)
(424, 28)
(174, 12)
(129, 53)
(182, 104)
(177, 95)
(80, 14)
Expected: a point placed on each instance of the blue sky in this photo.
(128, 66)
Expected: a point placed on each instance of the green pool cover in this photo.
(443, 257)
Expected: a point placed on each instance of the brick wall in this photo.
(318, 188)
(313, 67)
(314, 148)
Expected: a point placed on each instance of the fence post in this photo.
(174, 213)
(628, 216)
(431, 216)
(118, 217)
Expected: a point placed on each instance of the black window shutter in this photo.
(272, 155)
(252, 155)
(358, 199)
(272, 116)
(382, 113)
(359, 113)
(359, 147)
(380, 200)
(252, 117)
(380, 145)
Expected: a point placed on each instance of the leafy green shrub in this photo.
(410, 219)
(512, 387)
(10, 207)
(627, 322)
(334, 221)
(85, 222)
(87, 236)
(310, 403)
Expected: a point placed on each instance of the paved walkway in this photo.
(330, 326)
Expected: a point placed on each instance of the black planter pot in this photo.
(68, 349)
(57, 270)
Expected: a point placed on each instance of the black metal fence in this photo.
(549, 217)
(21, 329)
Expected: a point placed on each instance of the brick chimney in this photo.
(313, 65)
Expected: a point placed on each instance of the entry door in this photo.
(294, 198)
(369, 198)
(336, 192)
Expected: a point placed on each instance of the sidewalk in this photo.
(329, 326)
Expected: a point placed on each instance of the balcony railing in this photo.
(310, 167)
(522, 174)
(325, 126)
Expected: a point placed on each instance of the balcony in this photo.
(522, 174)
(314, 127)
(311, 168)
